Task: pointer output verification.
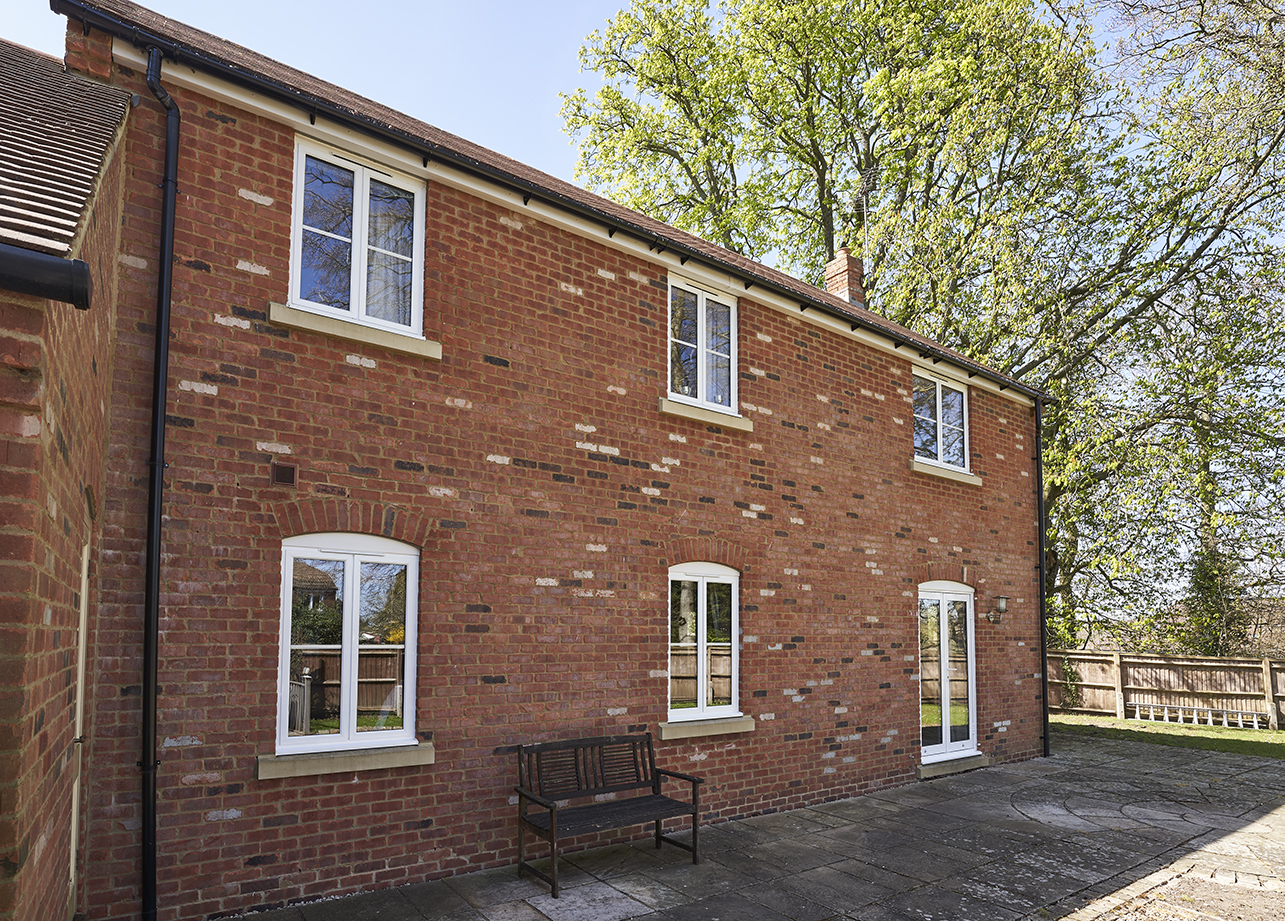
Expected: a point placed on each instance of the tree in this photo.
(1017, 196)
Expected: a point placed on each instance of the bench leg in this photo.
(658, 834)
(696, 851)
(553, 865)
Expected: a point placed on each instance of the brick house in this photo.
(459, 456)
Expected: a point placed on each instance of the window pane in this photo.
(388, 287)
(718, 327)
(930, 673)
(682, 369)
(952, 446)
(718, 612)
(720, 676)
(925, 438)
(952, 407)
(682, 645)
(316, 658)
(925, 398)
(381, 651)
(682, 316)
(326, 274)
(392, 218)
(328, 197)
(719, 372)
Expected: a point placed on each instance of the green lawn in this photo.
(1265, 743)
(322, 725)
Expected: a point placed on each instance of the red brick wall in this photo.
(55, 371)
(528, 630)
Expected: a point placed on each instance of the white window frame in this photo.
(702, 374)
(364, 170)
(957, 388)
(703, 574)
(353, 549)
(944, 591)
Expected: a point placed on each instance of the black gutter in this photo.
(1044, 613)
(156, 481)
(28, 272)
(421, 147)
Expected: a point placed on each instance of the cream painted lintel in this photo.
(695, 413)
(272, 767)
(283, 315)
(945, 472)
(697, 728)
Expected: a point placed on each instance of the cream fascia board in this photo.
(359, 142)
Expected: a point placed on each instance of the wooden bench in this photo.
(552, 773)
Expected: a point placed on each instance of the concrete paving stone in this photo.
(856, 810)
(730, 907)
(776, 858)
(1039, 886)
(990, 892)
(705, 879)
(1091, 865)
(873, 837)
(1036, 767)
(619, 859)
(919, 794)
(888, 879)
(277, 914)
(655, 895)
(512, 911)
(931, 903)
(592, 902)
(381, 905)
(784, 824)
(437, 901)
(494, 887)
(834, 888)
(787, 903)
(927, 860)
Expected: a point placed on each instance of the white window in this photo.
(347, 668)
(947, 683)
(704, 641)
(702, 348)
(358, 241)
(941, 423)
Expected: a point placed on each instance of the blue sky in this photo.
(487, 70)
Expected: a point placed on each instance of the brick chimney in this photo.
(843, 276)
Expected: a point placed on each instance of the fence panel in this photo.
(1119, 683)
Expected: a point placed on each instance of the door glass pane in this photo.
(957, 650)
(316, 654)
(930, 673)
(718, 643)
(683, 613)
(381, 646)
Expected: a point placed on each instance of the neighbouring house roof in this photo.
(202, 51)
(56, 132)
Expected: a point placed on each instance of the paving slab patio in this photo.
(1104, 830)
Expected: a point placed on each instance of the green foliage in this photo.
(1072, 685)
(1104, 228)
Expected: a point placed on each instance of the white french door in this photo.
(947, 681)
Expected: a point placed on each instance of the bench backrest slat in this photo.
(587, 767)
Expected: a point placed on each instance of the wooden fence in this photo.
(1219, 691)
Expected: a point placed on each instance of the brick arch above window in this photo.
(320, 514)
(707, 550)
(944, 571)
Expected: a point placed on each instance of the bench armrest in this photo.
(687, 777)
(535, 798)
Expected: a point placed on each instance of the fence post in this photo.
(1119, 685)
(1269, 695)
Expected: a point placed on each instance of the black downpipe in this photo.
(156, 486)
(1044, 611)
(28, 272)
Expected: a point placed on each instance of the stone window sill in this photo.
(292, 317)
(694, 729)
(271, 767)
(959, 476)
(695, 413)
(968, 762)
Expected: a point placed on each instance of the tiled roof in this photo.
(56, 130)
(209, 52)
